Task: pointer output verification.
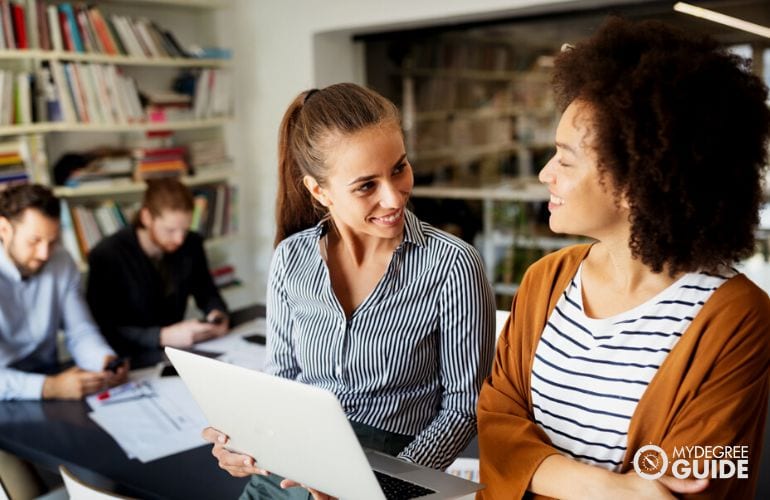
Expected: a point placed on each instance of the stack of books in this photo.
(12, 165)
(162, 106)
(207, 153)
(153, 163)
(103, 170)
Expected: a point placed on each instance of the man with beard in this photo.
(141, 277)
(39, 293)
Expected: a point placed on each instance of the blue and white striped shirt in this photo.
(412, 356)
(589, 374)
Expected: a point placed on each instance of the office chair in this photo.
(78, 490)
(3, 491)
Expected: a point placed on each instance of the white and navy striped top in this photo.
(412, 356)
(589, 374)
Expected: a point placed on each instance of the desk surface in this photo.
(52, 433)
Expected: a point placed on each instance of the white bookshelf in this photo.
(120, 60)
(193, 23)
(125, 187)
(48, 127)
(186, 4)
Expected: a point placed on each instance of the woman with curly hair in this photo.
(648, 336)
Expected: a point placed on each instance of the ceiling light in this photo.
(716, 17)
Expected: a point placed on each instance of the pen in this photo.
(103, 396)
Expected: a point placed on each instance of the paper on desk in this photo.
(238, 351)
(166, 420)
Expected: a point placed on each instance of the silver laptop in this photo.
(300, 432)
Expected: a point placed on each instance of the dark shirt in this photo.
(131, 299)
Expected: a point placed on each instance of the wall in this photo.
(285, 46)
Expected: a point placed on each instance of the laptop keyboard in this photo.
(398, 489)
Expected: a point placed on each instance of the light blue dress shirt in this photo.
(31, 312)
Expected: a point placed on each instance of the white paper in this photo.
(152, 416)
(238, 351)
(160, 419)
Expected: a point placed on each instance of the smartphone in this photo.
(115, 364)
(216, 320)
(169, 371)
(255, 339)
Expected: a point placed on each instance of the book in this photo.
(63, 93)
(54, 28)
(86, 32)
(7, 15)
(19, 26)
(68, 237)
(76, 90)
(66, 32)
(72, 26)
(169, 36)
(24, 98)
(102, 31)
(43, 32)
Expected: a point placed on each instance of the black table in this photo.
(53, 433)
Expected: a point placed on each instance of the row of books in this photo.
(85, 29)
(215, 213)
(102, 94)
(87, 93)
(84, 225)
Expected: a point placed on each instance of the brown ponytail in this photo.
(310, 120)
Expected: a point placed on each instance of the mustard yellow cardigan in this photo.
(712, 389)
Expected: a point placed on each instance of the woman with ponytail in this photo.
(393, 316)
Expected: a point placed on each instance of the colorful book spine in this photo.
(74, 32)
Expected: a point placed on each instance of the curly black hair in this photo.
(680, 127)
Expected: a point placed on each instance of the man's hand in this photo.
(186, 333)
(74, 383)
(117, 377)
(219, 321)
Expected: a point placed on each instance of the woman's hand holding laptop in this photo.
(239, 465)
